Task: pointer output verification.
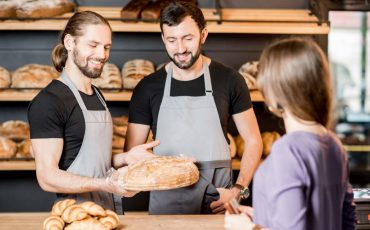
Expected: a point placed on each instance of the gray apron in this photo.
(191, 126)
(94, 157)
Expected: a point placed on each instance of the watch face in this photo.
(244, 193)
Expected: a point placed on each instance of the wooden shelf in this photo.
(12, 95)
(256, 21)
(17, 165)
(357, 148)
(29, 165)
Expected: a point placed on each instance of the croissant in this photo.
(73, 213)
(93, 209)
(60, 206)
(53, 223)
(86, 224)
(110, 221)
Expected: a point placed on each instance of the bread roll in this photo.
(73, 213)
(86, 224)
(53, 223)
(7, 148)
(135, 70)
(15, 130)
(44, 8)
(133, 9)
(60, 206)
(92, 208)
(111, 220)
(120, 121)
(110, 78)
(8, 9)
(4, 76)
(118, 142)
(120, 130)
(160, 173)
(33, 76)
(268, 138)
(24, 149)
(249, 71)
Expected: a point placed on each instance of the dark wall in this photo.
(19, 191)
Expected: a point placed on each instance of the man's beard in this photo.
(193, 58)
(88, 72)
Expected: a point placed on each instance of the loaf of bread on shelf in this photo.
(268, 138)
(153, 10)
(120, 121)
(160, 173)
(239, 146)
(111, 220)
(118, 142)
(133, 9)
(110, 78)
(59, 207)
(5, 80)
(44, 8)
(33, 76)
(53, 223)
(8, 148)
(15, 130)
(92, 208)
(135, 70)
(249, 71)
(8, 9)
(24, 149)
(119, 130)
(73, 213)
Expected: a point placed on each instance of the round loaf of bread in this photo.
(44, 8)
(33, 76)
(24, 149)
(4, 78)
(110, 78)
(249, 71)
(7, 148)
(268, 138)
(135, 70)
(15, 130)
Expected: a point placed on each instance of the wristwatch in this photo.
(244, 191)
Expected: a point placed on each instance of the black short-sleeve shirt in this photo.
(230, 93)
(55, 113)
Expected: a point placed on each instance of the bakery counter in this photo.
(28, 221)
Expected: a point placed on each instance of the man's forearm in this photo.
(249, 162)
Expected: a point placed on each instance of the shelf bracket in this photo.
(317, 8)
(218, 11)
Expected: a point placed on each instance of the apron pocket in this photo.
(211, 194)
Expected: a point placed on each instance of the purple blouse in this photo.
(303, 184)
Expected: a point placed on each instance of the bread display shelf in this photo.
(256, 21)
(29, 165)
(109, 96)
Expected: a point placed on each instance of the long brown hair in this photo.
(75, 27)
(294, 73)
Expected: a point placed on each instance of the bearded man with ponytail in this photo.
(71, 127)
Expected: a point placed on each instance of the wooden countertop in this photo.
(28, 221)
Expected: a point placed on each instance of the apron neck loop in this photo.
(206, 74)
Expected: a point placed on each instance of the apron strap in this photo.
(100, 97)
(213, 164)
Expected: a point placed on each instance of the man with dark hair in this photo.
(187, 105)
(71, 127)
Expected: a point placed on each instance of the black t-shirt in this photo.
(230, 93)
(55, 113)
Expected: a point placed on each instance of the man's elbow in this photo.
(45, 181)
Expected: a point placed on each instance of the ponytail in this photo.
(59, 57)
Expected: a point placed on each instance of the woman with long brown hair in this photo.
(303, 184)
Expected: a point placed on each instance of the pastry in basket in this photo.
(7, 148)
(44, 8)
(135, 70)
(33, 76)
(4, 78)
(160, 173)
(15, 130)
(110, 78)
(133, 9)
(249, 71)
